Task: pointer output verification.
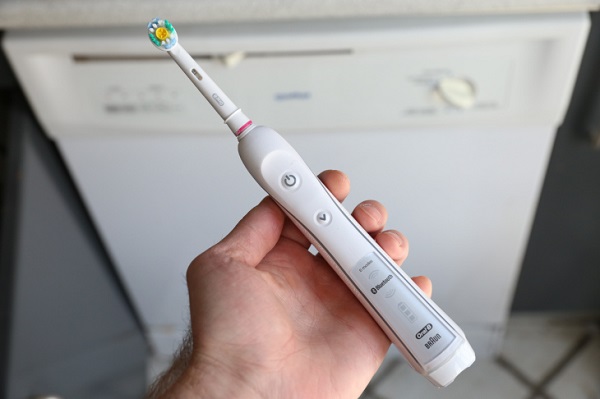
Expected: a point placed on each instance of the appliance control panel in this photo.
(406, 89)
(345, 75)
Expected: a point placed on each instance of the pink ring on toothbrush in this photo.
(244, 127)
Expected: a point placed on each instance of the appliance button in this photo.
(457, 92)
(290, 181)
(323, 218)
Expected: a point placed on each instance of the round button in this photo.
(290, 181)
(323, 218)
(458, 92)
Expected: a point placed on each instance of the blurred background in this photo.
(476, 123)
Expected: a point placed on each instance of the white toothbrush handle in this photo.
(433, 344)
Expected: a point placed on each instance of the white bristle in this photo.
(151, 30)
(154, 26)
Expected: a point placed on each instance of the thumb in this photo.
(256, 234)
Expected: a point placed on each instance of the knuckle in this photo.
(214, 257)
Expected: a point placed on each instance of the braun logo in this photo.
(424, 331)
(432, 340)
(380, 285)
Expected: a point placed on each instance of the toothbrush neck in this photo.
(238, 122)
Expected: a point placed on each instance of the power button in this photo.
(290, 181)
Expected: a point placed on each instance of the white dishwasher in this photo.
(447, 121)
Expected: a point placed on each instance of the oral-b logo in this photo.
(424, 331)
(380, 285)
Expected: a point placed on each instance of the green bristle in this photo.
(154, 39)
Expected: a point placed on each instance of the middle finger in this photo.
(371, 215)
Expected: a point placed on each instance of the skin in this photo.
(271, 320)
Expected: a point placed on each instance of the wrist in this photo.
(207, 379)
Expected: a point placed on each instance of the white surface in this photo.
(69, 13)
(463, 186)
(457, 205)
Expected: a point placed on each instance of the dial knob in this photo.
(458, 92)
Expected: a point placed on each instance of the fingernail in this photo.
(396, 237)
(372, 211)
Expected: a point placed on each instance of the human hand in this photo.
(271, 320)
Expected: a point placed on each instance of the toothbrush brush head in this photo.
(162, 34)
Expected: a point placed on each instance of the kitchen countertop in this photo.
(78, 13)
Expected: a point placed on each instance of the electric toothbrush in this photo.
(430, 341)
